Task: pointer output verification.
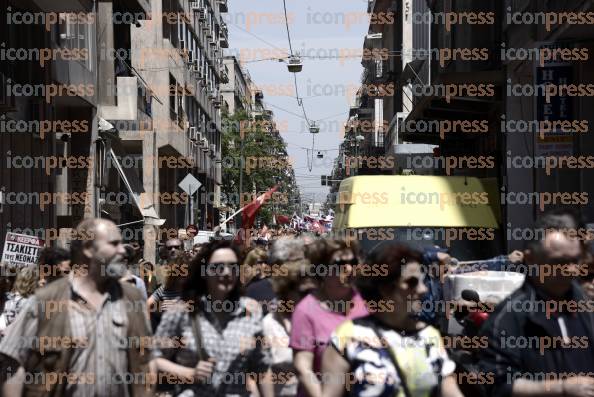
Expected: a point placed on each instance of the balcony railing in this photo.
(224, 36)
(224, 74)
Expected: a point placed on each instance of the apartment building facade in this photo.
(179, 54)
(505, 110)
(237, 93)
(52, 98)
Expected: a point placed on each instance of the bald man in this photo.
(89, 327)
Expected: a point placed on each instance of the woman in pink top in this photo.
(319, 313)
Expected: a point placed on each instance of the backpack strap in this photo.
(200, 352)
(401, 374)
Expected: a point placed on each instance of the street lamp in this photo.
(295, 65)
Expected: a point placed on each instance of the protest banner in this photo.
(21, 249)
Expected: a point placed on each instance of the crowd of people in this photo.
(289, 314)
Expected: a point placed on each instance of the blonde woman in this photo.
(24, 286)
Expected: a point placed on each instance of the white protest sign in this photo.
(21, 249)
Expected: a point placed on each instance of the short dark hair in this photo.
(320, 253)
(49, 259)
(391, 255)
(559, 219)
(52, 256)
(195, 285)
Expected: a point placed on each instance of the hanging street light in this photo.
(295, 65)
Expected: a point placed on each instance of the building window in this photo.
(379, 68)
(172, 94)
(74, 33)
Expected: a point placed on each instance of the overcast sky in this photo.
(319, 28)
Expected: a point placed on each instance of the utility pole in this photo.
(241, 166)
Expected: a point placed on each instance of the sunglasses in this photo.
(413, 282)
(174, 247)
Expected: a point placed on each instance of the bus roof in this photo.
(415, 201)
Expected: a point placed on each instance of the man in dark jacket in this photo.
(540, 339)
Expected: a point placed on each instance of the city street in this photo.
(296, 198)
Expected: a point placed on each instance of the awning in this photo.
(143, 201)
(411, 72)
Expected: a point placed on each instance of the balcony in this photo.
(224, 74)
(141, 7)
(182, 120)
(267, 114)
(218, 102)
(223, 7)
(224, 39)
(127, 98)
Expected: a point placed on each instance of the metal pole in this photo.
(130, 223)
(191, 204)
(205, 205)
(232, 216)
(241, 162)
(356, 157)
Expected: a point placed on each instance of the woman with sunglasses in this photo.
(220, 332)
(389, 352)
(321, 311)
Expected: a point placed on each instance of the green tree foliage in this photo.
(265, 163)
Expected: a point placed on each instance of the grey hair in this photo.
(286, 249)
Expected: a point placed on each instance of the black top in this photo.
(525, 337)
(262, 291)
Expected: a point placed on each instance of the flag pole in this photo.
(231, 217)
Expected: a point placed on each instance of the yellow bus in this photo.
(456, 212)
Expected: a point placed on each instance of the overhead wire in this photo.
(287, 24)
(310, 158)
(255, 36)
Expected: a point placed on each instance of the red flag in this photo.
(283, 220)
(248, 215)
